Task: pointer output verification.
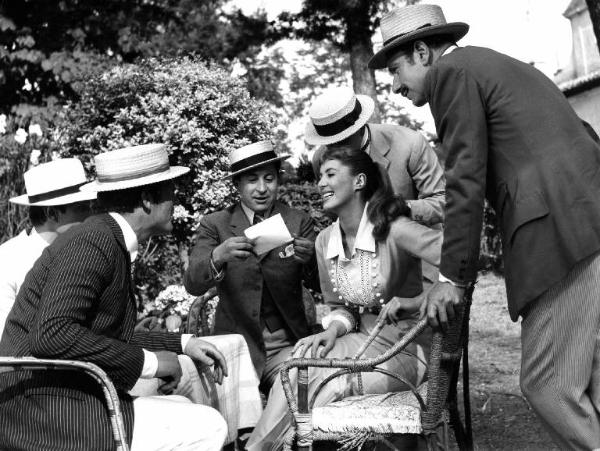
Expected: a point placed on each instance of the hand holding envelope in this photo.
(269, 234)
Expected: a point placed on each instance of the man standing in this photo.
(260, 296)
(55, 204)
(338, 117)
(511, 135)
(77, 303)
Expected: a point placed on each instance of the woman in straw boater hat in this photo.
(368, 263)
(510, 135)
(339, 117)
(55, 204)
(77, 304)
(260, 296)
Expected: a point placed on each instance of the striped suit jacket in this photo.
(76, 303)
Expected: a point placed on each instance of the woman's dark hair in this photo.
(384, 205)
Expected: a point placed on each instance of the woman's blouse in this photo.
(374, 272)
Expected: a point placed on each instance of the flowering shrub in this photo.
(174, 300)
(198, 111)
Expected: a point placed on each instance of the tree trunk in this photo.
(594, 10)
(358, 40)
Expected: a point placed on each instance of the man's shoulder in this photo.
(396, 136)
(394, 130)
(14, 243)
(220, 216)
(96, 229)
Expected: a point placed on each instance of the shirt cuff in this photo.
(150, 365)
(185, 338)
(342, 316)
(444, 279)
(217, 275)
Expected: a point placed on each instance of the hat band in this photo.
(56, 193)
(120, 177)
(253, 160)
(393, 38)
(341, 124)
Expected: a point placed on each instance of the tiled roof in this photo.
(574, 7)
(580, 83)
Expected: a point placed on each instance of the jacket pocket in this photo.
(525, 209)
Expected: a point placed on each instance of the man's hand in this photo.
(304, 249)
(441, 300)
(206, 353)
(400, 308)
(169, 370)
(234, 248)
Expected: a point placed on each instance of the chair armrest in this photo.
(351, 365)
(197, 320)
(94, 371)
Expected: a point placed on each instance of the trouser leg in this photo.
(559, 331)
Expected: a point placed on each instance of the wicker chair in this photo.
(112, 399)
(426, 410)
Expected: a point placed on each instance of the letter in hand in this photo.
(207, 354)
(234, 248)
(303, 249)
(169, 370)
(440, 303)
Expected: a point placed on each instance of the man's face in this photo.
(409, 77)
(73, 214)
(161, 210)
(258, 188)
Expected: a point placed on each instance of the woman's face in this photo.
(337, 185)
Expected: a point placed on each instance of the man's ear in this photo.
(147, 201)
(422, 53)
(360, 182)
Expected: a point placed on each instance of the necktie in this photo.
(257, 219)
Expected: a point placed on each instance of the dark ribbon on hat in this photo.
(341, 124)
(393, 38)
(253, 160)
(54, 194)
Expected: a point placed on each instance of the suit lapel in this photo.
(238, 222)
(275, 210)
(379, 148)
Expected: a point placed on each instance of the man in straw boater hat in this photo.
(55, 203)
(339, 117)
(260, 296)
(510, 135)
(77, 303)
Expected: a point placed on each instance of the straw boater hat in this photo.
(337, 114)
(54, 183)
(253, 156)
(402, 25)
(133, 166)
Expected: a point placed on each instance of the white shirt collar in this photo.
(364, 238)
(450, 49)
(131, 241)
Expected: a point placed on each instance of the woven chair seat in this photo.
(390, 413)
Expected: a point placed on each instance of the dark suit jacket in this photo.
(413, 167)
(240, 291)
(76, 303)
(510, 134)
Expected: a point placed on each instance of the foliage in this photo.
(305, 196)
(197, 110)
(490, 253)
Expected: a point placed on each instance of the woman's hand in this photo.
(401, 308)
(320, 344)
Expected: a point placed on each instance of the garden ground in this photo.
(502, 418)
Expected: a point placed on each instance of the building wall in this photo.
(586, 105)
(586, 57)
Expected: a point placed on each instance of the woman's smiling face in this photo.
(337, 185)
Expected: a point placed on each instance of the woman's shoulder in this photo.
(323, 236)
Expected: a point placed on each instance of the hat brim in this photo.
(312, 137)
(67, 199)
(456, 29)
(173, 172)
(262, 163)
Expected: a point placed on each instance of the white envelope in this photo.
(269, 234)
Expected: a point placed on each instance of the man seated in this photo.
(77, 303)
(55, 204)
(260, 295)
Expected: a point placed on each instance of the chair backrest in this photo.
(95, 372)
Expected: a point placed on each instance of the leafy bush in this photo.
(198, 111)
